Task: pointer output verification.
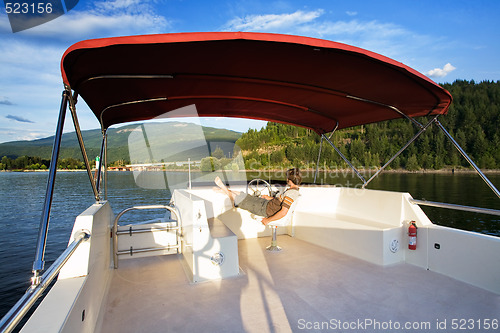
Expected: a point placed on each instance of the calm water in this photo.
(22, 195)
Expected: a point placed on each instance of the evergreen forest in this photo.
(473, 120)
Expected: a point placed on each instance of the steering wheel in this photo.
(257, 185)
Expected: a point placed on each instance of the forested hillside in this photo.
(473, 120)
(36, 154)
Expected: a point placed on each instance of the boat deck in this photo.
(302, 288)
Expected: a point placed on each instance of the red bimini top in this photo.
(295, 80)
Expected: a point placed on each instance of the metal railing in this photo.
(115, 232)
(456, 207)
(19, 310)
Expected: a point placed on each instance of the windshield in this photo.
(159, 148)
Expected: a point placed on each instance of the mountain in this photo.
(182, 140)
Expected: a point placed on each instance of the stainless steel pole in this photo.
(43, 229)
(99, 169)
(464, 154)
(345, 159)
(72, 108)
(106, 166)
(317, 162)
(422, 130)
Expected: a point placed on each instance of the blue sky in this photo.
(446, 40)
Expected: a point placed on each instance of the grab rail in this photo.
(19, 310)
(115, 225)
(456, 207)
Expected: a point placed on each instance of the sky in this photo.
(445, 40)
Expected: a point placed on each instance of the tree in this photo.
(6, 162)
(357, 150)
(277, 157)
(218, 153)
(209, 164)
(412, 163)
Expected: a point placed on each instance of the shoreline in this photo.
(47, 170)
(423, 171)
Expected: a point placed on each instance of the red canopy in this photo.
(289, 79)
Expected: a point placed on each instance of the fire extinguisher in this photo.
(412, 233)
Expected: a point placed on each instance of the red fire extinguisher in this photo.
(412, 233)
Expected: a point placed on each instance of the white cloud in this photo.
(31, 87)
(105, 18)
(31, 82)
(18, 134)
(30, 73)
(441, 72)
(308, 23)
(371, 29)
(117, 5)
(389, 39)
(393, 40)
(274, 22)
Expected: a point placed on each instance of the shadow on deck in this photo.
(302, 288)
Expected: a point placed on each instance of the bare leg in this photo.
(223, 188)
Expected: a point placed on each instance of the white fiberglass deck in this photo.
(302, 288)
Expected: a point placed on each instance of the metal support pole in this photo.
(422, 130)
(189, 173)
(317, 163)
(390, 107)
(464, 154)
(43, 229)
(320, 147)
(106, 167)
(146, 141)
(72, 108)
(99, 169)
(344, 158)
(274, 242)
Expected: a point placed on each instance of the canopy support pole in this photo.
(344, 158)
(393, 108)
(422, 130)
(99, 169)
(317, 162)
(320, 148)
(72, 108)
(106, 166)
(39, 263)
(464, 154)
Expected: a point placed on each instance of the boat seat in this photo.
(282, 222)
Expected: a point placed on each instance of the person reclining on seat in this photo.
(271, 208)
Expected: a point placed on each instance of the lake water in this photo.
(22, 196)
